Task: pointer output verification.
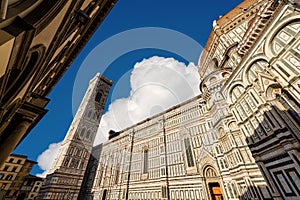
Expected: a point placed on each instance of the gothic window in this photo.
(89, 114)
(66, 162)
(98, 97)
(210, 172)
(221, 132)
(74, 163)
(82, 132)
(71, 150)
(189, 153)
(95, 116)
(238, 91)
(145, 167)
(232, 126)
(258, 66)
(79, 152)
(88, 134)
(81, 165)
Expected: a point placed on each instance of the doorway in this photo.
(215, 191)
(104, 195)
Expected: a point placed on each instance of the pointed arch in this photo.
(257, 64)
(273, 48)
(88, 134)
(210, 171)
(82, 132)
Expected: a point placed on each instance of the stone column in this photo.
(9, 143)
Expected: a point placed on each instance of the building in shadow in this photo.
(90, 174)
(14, 174)
(39, 39)
(30, 187)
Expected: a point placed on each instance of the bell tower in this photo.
(65, 177)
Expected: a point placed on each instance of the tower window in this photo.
(98, 97)
(88, 134)
(189, 153)
(89, 114)
(82, 132)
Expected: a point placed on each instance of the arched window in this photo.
(145, 167)
(89, 114)
(258, 66)
(66, 162)
(71, 150)
(88, 134)
(221, 132)
(98, 97)
(210, 172)
(232, 126)
(81, 165)
(95, 116)
(74, 163)
(79, 152)
(82, 132)
(236, 92)
(189, 153)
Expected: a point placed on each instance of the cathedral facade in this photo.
(239, 139)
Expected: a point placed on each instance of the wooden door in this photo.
(215, 191)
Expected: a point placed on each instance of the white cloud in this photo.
(157, 84)
(47, 157)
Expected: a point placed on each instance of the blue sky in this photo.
(193, 18)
